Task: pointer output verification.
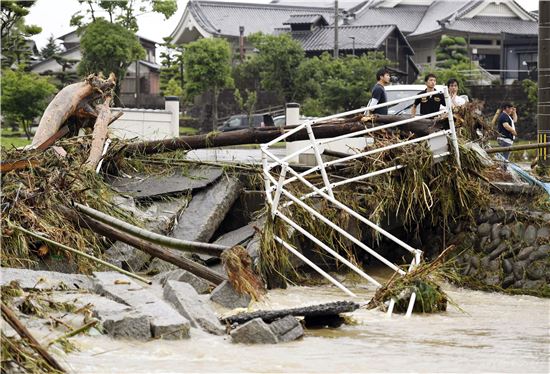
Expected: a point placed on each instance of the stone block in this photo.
(45, 280)
(543, 232)
(226, 296)
(484, 229)
(166, 323)
(525, 252)
(530, 235)
(287, 329)
(188, 303)
(255, 331)
(200, 285)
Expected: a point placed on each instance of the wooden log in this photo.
(515, 148)
(14, 322)
(256, 136)
(100, 133)
(65, 103)
(165, 254)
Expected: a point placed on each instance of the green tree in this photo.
(15, 33)
(24, 97)
(50, 49)
(277, 61)
(207, 69)
(108, 47)
(331, 85)
(122, 12)
(451, 51)
(171, 65)
(173, 88)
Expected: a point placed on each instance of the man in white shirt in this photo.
(452, 85)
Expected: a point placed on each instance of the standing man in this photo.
(506, 127)
(379, 92)
(456, 100)
(429, 104)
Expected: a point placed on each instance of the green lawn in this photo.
(9, 139)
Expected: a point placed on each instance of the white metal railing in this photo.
(280, 198)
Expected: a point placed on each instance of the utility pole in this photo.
(352, 45)
(336, 29)
(241, 42)
(544, 85)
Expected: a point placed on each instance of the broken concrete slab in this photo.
(228, 297)
(207, 210)
(166, 323)
(255, 331)
(187, 302)
(328, 309)
(200, 285)
(202, 217)
(237, 237)
(156, 186)
(127, 257)
(118, 320)
(287, 329)
(45, 280)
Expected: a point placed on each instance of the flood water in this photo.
(493, 333)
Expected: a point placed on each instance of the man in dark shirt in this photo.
(379, 92)
(506, 127)
(429, 104)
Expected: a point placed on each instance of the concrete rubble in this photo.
(185, 299)
(257, 331)
(227, 296)
(165, 322)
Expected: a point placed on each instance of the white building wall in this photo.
(146, 124)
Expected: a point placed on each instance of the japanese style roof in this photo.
(304, 19)
(471, 16)
(406, 17)
(362, 37)
(221, 18)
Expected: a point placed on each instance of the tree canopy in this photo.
(122, 12)
(207, 68)
(50, 49)
(277, 62)
(108, 47)
(15, 33)
(451, 51)
(24, 96)
(326, 84)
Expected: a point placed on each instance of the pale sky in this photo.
(54, 16)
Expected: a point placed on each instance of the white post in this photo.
(172, 105)
(292, 114)
(450, 116)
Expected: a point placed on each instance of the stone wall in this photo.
(508, 250)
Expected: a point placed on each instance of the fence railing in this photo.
(280, 176)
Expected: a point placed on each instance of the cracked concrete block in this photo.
(200, 285)
(287, 329)
(226, 296)
(166, 323)
(45, 280)
(187, 302)
(255, 331)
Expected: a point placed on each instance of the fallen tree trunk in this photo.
(66, 103)
(514, 148)
(209, 249)
(100, 133)
(257, 136)
(152, 249)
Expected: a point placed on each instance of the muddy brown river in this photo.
(492, 333)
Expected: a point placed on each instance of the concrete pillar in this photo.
(292, 114)
(172, 104)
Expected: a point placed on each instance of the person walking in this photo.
(456, 101)
(379, 92)
(506, 127)
(428, 104)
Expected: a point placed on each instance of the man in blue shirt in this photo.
(506, 127)
(379, 92)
